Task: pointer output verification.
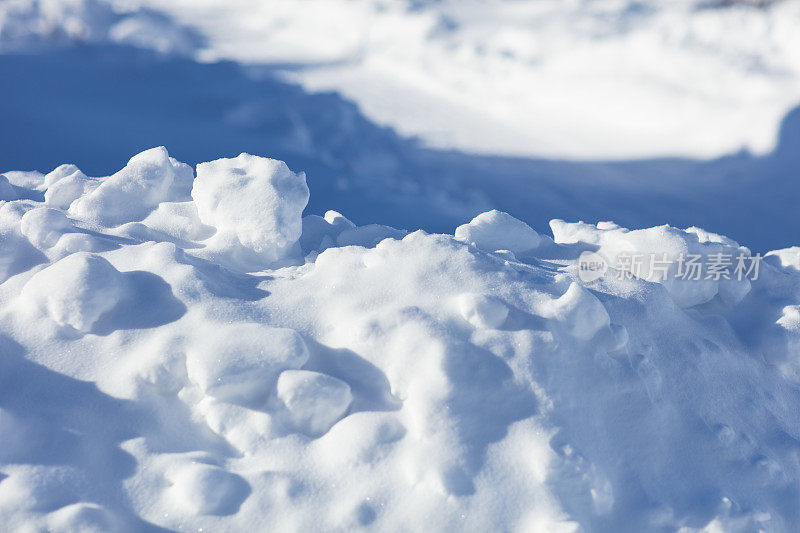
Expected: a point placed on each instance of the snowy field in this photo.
(408, 309)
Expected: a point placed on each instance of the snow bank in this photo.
(189, 353)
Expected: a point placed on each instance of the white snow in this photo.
(315, 401)
(495, 230)
(132, 193)
(75, 291)
(255, 204)
(580, 79)
(482, 311)
(347, 376)
(239, 363)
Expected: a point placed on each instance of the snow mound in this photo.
(495, 230)
(76, 291)
(188, 353)
(678, 259)
(64, 184)
(240, 362)
(482, 311)
(43, 226)
(315, 401)
(255, 204)
(208, 490)
(148, 179)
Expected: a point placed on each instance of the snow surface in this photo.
(581, 79)
(606, 80)
(370, 378)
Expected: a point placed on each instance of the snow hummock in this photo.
(76, 291)
(495, 230)
(190, 352)
(255, 204)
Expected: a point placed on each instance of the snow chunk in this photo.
(787, 258)
(482, 311)
(77, 290)
(658, 252)
(7, 192)
(239, 363)
(579, 311)
(208, 490)
(256, 205)
(64, 185)
(496, 230)
(148, 179)
(316, 401)
(44, 226)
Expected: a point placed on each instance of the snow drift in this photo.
(187, 351)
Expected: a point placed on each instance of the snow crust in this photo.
(188, 351)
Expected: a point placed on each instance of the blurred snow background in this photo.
(638, 111)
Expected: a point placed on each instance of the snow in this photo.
(75, 291)
(366, 377)
(205, 346)
(580, 79)
(148, 179)
(255, 204)
(495, 230)
(315, 401)
(482, 311)
(239, 363)
(6, 190)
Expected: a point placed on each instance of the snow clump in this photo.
(256, 206)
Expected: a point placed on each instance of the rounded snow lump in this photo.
(482, 311)
(148, 179)
(77, 290)
(239, 363)
(496, 230)
(44, 226)
(208, 490)
(580, 312)
(256, 205)
(315, 401)
(64, 185)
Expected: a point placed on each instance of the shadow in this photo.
(149, 303)
(70, 423)
(98, 106)
(370, 387)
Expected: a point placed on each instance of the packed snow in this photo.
(181, 348)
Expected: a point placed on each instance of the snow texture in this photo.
(372, 378)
